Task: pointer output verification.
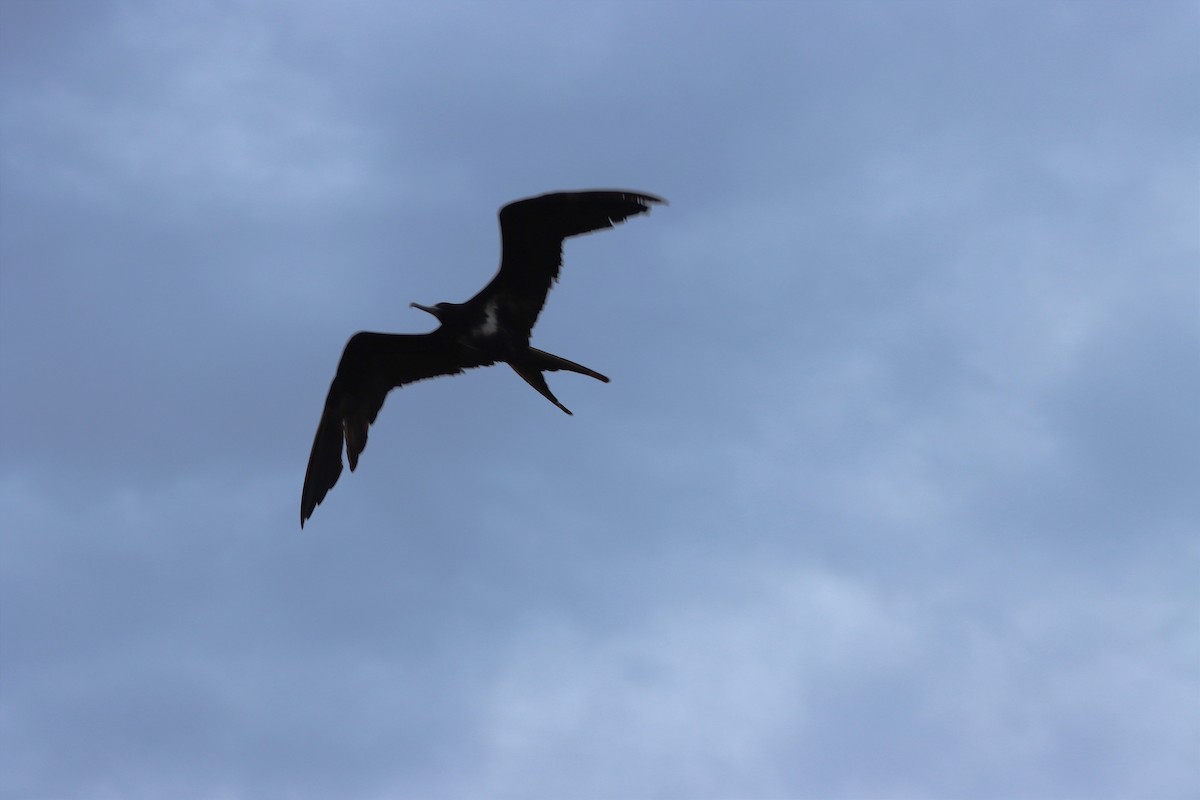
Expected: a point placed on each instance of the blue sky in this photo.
(891, 497)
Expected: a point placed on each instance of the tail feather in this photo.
(534, 378)
(545, 361)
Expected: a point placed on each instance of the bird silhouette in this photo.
(493, 326)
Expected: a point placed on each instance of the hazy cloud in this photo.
(891, 496)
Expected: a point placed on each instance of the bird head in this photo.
(440, 310)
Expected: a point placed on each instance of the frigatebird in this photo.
(493, 326)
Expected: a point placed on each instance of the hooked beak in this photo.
(426, 309)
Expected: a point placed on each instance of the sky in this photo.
(891, 496)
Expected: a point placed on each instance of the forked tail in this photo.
(535, 362)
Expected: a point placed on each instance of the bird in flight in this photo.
(493, 326)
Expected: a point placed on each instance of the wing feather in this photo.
(532, 232)
(371, 366)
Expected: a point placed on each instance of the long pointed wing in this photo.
(372, 365)
(532, 233)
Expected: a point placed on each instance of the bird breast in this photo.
(491, 321)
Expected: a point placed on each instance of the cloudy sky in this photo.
(891, 496)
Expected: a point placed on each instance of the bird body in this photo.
(493, 326)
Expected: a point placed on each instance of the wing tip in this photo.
(644, 199)
(651, 199)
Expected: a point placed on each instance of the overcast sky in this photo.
(891, 496)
